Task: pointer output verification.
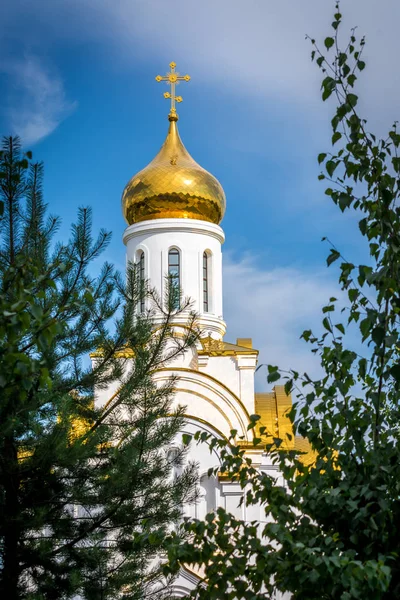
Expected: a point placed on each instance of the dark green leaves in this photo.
(273, 374)
(336, 137)
(330, 166)
(328, 86)
(329, 41)
(334, 255)
(329, 530)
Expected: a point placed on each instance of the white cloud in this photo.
(255, 50)
(37, 101)
(274, 306)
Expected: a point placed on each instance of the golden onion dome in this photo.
(173, 185)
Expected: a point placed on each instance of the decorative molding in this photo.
(174, 226)
(207, 376)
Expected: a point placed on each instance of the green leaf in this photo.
(378, 335)
(340, 328)
(395, 372)
(363, 225)
(288, 387)
(351, 79)
(272, 377)
(353, 294)
(331, 166)
(321, 157)
(328, 85)
(334, 255)
(344, 201)
(254, 418)
(362, 367)
(326, 324)
(329, 308)
(186, 439)
(329, 41)
(253, 421)
(396, 164)
(36, 311)
(352, 99)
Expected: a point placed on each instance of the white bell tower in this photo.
(190, 251)
(173, 208)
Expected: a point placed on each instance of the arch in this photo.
(206, 398)
(215, 431)
(174, 273)
(209, 488)
(225, 401)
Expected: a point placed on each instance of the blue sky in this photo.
(77, 83)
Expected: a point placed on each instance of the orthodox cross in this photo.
(173, 78)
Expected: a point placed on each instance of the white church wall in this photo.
(225, 369)
(236, 372)
(247, 366)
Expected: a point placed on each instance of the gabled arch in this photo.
(208, 400)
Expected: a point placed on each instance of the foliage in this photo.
(332, 531)
(86, 491)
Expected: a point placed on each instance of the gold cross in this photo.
(173, 78)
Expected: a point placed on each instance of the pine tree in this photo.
(86, 493)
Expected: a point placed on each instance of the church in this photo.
(174, 208)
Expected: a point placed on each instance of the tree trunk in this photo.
(9, 588)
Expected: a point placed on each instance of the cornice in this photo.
(174, 226)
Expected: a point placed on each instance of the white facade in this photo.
(215, 379)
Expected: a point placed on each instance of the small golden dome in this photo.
(173, 185)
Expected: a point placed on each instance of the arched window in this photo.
(142, 281)
(174, 458)
(174, 272)
(205, 281)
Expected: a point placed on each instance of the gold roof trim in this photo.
(213, 347)
(245, 342)
(124, 352)
(173, 185)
